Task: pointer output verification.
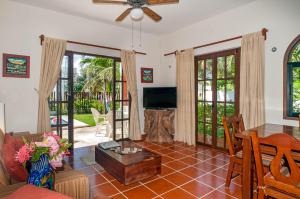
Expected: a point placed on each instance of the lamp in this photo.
(137, 14)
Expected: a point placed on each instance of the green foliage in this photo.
(295, 54)
(296, 89)
(98, 73)
(38, 152)
(85, 105)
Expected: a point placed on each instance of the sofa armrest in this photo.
(72, 183)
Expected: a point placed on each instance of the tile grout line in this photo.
(174, 170)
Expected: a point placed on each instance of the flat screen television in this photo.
(160, 98)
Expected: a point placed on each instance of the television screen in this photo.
(160, 97)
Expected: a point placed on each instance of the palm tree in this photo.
(99, 74)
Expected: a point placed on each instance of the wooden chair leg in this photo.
(261, 194)
(229, 173)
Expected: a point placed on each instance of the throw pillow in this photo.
(13, 167)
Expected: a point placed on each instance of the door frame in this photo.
(71, 53)
(70, 102)
(214, 56)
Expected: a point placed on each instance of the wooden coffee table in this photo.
(129, 168)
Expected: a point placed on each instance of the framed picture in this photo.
(147, 75)
(16, 66)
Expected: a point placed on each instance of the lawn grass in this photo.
(85, 118)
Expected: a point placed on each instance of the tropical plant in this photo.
(98, 73)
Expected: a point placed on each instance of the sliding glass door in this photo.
(217, 88)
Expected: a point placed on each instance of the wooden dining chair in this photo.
(232, 126)
(283, 180)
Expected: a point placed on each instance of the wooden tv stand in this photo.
(159, 125)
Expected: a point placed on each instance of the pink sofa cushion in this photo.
(14, 168)
(28, 191)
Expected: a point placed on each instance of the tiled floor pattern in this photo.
(187, 172)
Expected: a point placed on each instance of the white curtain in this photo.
(129, 66)
(52, 55)
(185, 112)
(252, 103)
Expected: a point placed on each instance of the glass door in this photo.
(217, 90)
(61, 101)
(121, 103)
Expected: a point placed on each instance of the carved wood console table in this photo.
(159, 125)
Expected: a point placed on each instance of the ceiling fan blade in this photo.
(111, 1)
(153, 15)
(157, 2)
(123, 15)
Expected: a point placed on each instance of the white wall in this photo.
(281, 17)
(20, 27)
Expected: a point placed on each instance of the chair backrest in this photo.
(233, 125)
(96, 115)
(284, 144)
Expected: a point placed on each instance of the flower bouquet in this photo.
(42, 158)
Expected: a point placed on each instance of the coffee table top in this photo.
(128, 159)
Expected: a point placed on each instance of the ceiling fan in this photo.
(138, 8)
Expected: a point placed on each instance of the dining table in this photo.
(264, 130)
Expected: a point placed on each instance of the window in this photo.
(291, 68)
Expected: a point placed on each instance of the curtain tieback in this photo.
(36, 90)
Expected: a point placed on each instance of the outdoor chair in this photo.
(99, 120)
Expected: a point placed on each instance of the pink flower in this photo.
(57, 162)
(51, 134)
(23, 154)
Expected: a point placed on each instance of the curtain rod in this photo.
(42, 37)
(264, 33)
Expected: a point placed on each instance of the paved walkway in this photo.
(77, 123)
(87, 136)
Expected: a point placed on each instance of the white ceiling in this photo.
(174, 16)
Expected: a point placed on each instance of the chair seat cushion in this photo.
(267, 159)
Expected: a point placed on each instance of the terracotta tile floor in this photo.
(187, 172)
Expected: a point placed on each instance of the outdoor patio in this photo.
(86, 136)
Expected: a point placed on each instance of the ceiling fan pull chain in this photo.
(140, 33)
(132, 46)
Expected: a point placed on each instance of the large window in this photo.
(292, 80)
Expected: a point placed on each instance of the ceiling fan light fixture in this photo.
(137, 14)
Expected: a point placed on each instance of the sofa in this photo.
(72, 183)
